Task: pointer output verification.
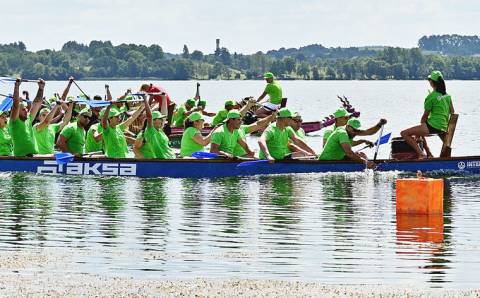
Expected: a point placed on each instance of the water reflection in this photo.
(112, 201)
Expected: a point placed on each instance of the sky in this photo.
(243, 26)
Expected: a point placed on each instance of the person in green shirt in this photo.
(340, 142)
(192, 139)
(45, 131)
(274, 92)
(222, 114)
(244, 130)
(226, 138)
(20, 124)
(279, 141)
(114, 132)
(296, 125)
(438, 107)
(202, 104)
(72, 136)
(152, 142)
(94, 141)
(183, 112)
(5, 139)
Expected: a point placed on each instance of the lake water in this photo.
(332, 228)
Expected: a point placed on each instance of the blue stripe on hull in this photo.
(220, 168)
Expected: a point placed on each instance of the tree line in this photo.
(102, 60)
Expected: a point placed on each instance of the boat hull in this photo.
(205, 168)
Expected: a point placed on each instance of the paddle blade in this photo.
(6, 104)
(384, 139)
(202, 154)
(64, 158)
(251, 163)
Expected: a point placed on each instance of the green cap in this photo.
(355, 123)
(86, 112)
(296, 115)
(195, 116)
(202, 102)
(158, 115)
(284, 113)
(341, 113)
(52, 99)
(268, 75)
(191, 102)
(435, 75)
(233, 114)
(114, 113)
(44, 110)
(229, 102)
(70, 98)
(4, 113)
(23, 104)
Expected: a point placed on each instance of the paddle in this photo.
(88, 97)
(383, 140)
(203, 154)
(378, 144)
(252, 163)
(197, 94)
(12, 80)
(6, 104)
(64, 157)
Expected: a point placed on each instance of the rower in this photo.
(72, 137)
(202, 103)
(279, 141)
(45, 130)
(94, 140)
(259, 125)
(227, 137)
(222, 114)
(183, 112)
(340, 142)
(150, 88)
(192, 139)
(152, 142)
(296, 125)
(114, 131)
(5, 139)
(20, 124)
(438, 107)
(274, 91)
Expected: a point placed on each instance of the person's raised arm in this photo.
(148, 111)
(109, 94)
(245, 108)
(105, 117)
(134, 117)
(37, 102)
(262, 123)
(16, 100)
(47, 119)
(164, 108)
(68, 116)
(67, 89)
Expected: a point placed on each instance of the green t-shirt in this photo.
(333, 148)
(179, 117)
(5, 142)
(439, 107)
(300, 133)
(90, 144)
(75, 136)
(225, 139)
(115, 142)
(328, 133)
(274, 91)
(188, 145)
(242, 134)
(45, 138)
(155, 144)
(277, 141)
(23, 139)
(219, 117)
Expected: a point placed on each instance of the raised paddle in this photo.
(6, 104)
(88, 97)
(378, 144)
(12, 80)
(197, 94)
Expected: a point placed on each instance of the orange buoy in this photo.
(419, 196)
(420, 228)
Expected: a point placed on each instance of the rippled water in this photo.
(333, 228)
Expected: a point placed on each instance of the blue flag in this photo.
(383, 139)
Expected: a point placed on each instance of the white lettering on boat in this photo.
(78, 168)
(473, 164)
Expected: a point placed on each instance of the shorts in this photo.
(433, 131)
(270, 106)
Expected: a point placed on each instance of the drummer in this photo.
(274, 92)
